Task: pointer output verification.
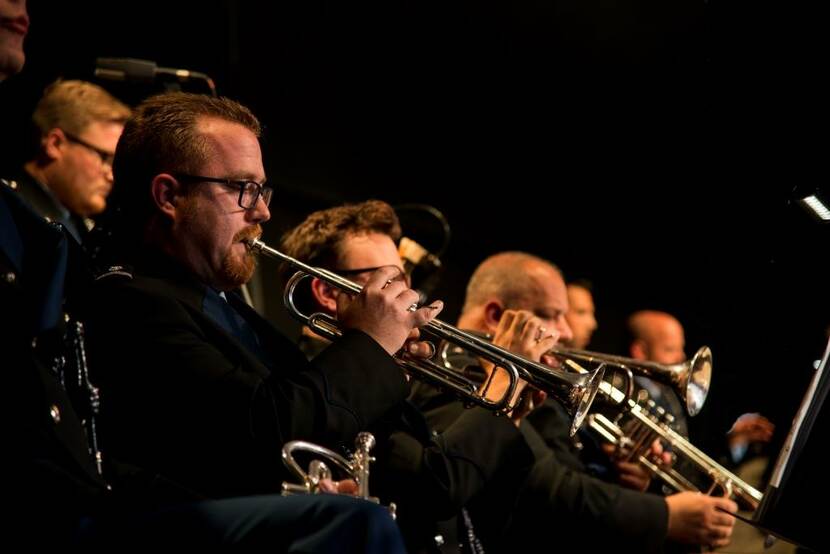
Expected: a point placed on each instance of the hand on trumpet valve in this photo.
(520, 332)
(383, 311)
(418, 348)
(632, 474)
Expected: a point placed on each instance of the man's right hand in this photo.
(695, 518)
(381, 310)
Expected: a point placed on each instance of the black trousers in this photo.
(316, 523)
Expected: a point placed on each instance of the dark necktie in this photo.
(215, 306)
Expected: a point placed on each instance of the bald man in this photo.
(557, 495)
(658, 337)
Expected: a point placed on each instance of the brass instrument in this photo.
(575, 390)
(636, 427)
(690, 380)
(634, 436)
(356, 468)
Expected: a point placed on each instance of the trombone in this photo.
(575, 390)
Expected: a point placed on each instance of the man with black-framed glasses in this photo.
(199, 387)
(69, 177)
(249, 191)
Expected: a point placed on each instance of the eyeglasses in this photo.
(249, 191)
(401, 275)
(106, 157)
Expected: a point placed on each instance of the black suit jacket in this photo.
(48, 476)
(556, 504)
(432, 475)
(183, 397)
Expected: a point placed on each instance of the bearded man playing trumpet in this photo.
(199, 387)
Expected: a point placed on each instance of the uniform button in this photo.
(10, 277)
(439, 540)
(13, 185)
(55, 413)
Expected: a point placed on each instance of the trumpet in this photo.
(635, 429)
(634, 436)
(575, 390)
(690, 380)
(356, 468)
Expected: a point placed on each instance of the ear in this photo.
(325, 296)
(493, 311)
(165, 191)
(51, 144)
(639, 350)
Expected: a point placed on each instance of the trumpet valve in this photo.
(317, 471)
(365, 441)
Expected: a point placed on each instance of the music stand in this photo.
(800, 476)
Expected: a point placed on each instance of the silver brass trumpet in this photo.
(357, 467)
(575, 390)
(635, 429)
(690, 379)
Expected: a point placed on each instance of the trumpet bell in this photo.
(699, 380)
(690, 380)
(584, 401)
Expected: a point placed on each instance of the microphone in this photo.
(145, 71)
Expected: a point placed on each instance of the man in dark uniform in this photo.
(70, 176)
(430, 476)
(56, 493)
(54, 490)
(199, 386)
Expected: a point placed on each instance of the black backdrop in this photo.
(649, 146)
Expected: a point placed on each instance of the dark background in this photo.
(652, 147)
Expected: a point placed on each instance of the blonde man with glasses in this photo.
(69, 177)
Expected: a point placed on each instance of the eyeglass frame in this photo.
(358, 271)
(107, 158)
(242, 184)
